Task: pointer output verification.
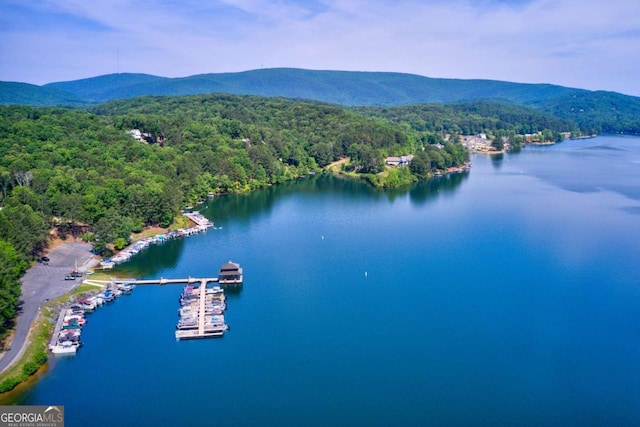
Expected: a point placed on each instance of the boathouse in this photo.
(230, 273)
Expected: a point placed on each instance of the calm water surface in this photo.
(506, 296)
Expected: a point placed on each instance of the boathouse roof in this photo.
(230, 266)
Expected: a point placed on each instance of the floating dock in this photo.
(66, 335)
(56, 331)
(208, 324)
(230, 274)
(163, 281)
(202, 307)
(207, 319)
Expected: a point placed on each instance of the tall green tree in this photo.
(25, 229)
(12, 266)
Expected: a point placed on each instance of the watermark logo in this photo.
(31, 416)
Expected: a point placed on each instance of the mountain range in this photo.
(598, 110)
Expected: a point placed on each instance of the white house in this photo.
(136, 134)
(399, 161)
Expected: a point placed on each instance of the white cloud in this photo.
(573, 43)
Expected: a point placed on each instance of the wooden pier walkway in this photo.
(203, 329)
(164, 281)
(201, 312)
(56, 331)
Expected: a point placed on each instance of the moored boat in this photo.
(126, 287)
(66, 347)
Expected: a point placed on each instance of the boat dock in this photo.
(163, 281)
(230, 274)
(56, 331)
(201, 312)
(201, 306)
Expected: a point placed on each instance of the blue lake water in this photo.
(509, 295)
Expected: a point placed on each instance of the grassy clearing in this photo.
(149, 232)
(179, 222)
(100, 276)
(336, 167)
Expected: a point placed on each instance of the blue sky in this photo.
(591, 44)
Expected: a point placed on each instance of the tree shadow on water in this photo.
(430, 190)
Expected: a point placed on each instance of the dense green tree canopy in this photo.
(472, 118)
(69, 166)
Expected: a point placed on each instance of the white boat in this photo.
(65, 347)
(87, 304)
(62, 336)
(187, 322)
(187, 311)
(126, 287)
(218, 305)
(216, 290)
(75, 310)
(216, 321)
(97, 300)
(107, 264)
(214, 311)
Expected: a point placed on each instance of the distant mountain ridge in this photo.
(347, 88)
(337, 87)
(40, 96)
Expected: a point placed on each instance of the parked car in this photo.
(69, 278)
(75, 274)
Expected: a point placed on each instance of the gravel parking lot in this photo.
(42, 282)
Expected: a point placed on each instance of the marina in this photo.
(201, 307)
(65, 339)
(201, 312)
(202, 224)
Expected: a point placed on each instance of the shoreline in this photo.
(42, 283)
(12, 374)
(34, 355)
(335, 169)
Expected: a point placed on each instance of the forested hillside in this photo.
(473, 118)
(65, 165)
(347, 88)
(68, 168)
(38, 96)
(599, 112)
(593, 112)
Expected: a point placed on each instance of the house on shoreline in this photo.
(399, 161)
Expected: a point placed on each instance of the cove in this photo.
(507, 295)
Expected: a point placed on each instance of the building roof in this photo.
(230, 266)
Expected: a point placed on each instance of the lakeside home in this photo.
(399, 161)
